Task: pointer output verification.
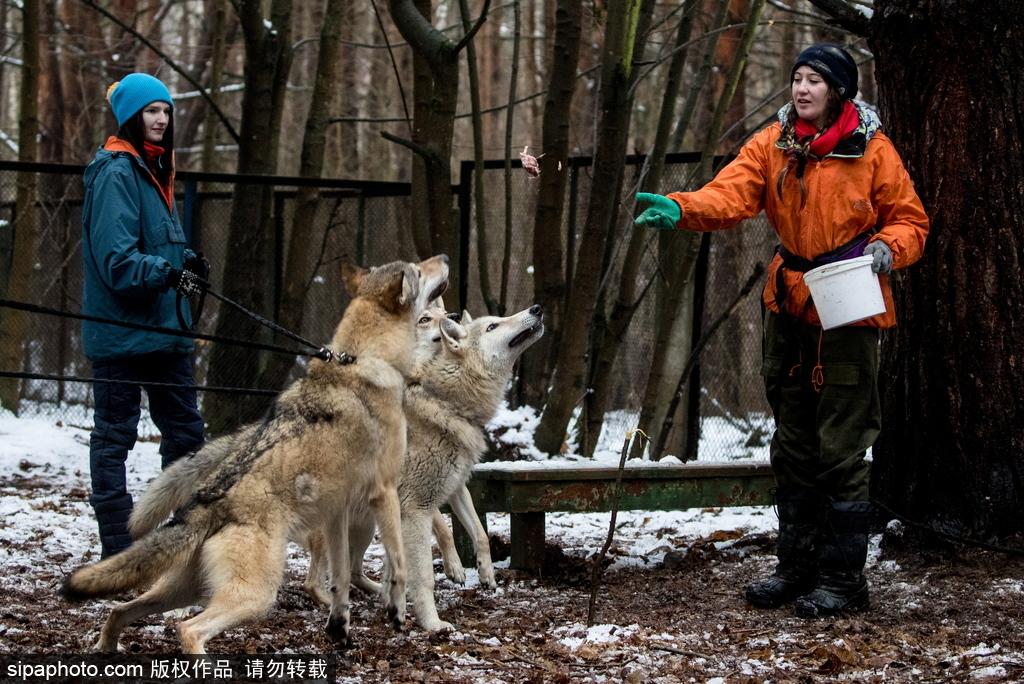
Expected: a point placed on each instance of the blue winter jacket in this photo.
(130, 241)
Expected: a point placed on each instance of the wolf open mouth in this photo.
(526, 334)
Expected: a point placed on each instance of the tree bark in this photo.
(437, 91)
(602, 215)
(302, 243)
(14, 324)
(479, 196)
(268, 55)
(510, 114)
(218, 54)
(629, 297)
(549, 277)
(952, 448)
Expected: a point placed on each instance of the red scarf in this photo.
(830, 137)
(152, 152)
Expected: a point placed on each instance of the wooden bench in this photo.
(528, 493)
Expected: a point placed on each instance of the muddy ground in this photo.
(949, 615)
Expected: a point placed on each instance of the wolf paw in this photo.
(396, 618)
(455, 572)
(337, 630)
(487, 578)
(105, 646)
(438, 626)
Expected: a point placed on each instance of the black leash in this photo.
(322, 352)
(144, 383)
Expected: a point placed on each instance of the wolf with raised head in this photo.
(330, 448)
(450, 398)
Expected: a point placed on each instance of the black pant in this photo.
(823, 390)
(118, 407)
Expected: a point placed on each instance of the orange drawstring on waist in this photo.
(818, 372)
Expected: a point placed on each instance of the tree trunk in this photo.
(510, 114)
(14, 324)
(728, 245)
(218, 52)
(300, 266)
(268, 54)
(602, 216)
(549, 275)
(479, 196)
(629, 298)
(437, 93)
(679, 252)
(952, 448)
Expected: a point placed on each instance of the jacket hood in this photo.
(867, 127)
(114, 147)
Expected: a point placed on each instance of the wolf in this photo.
(450, 398)
(330, 447)
(175, 486)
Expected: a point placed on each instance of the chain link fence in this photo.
(367, 223)
(731, 416)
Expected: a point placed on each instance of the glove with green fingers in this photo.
(663, 214)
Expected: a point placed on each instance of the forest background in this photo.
(423, 109)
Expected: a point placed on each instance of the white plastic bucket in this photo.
(845, 292)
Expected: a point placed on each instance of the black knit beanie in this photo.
(832, 62)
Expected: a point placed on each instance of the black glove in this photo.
(186, 282)
(198, 265)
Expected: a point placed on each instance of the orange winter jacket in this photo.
(846, 197)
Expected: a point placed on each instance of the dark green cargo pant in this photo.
(823, 390)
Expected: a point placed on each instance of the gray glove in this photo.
(882, 255)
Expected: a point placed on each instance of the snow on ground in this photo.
(935, 621)
(39, 447)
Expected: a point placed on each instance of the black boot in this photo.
(800, 511)
(842, 587)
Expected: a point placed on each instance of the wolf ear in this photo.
(353, 276)
(451, 334)
(466, 318)
(410, 286)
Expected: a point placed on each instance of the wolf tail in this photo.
(141, 563)
(175, 486)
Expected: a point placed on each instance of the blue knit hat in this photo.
(133, 92)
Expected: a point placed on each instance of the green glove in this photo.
(663, 214)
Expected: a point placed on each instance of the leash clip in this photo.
(328, 355)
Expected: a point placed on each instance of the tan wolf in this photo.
(450, 398)
(175, 486)
(330, 447)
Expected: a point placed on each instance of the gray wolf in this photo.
(450, 398)
(175, 486)
(331, 447)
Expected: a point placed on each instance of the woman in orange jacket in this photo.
(834, 187)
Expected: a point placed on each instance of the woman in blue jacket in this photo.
(136, 269)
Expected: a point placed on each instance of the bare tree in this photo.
(268, 59)
(14, 323)
(436, 94)
(629, 296)
(678, 252)
(302, 245)
(479, 198)
(549, 277)
(568, 383)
